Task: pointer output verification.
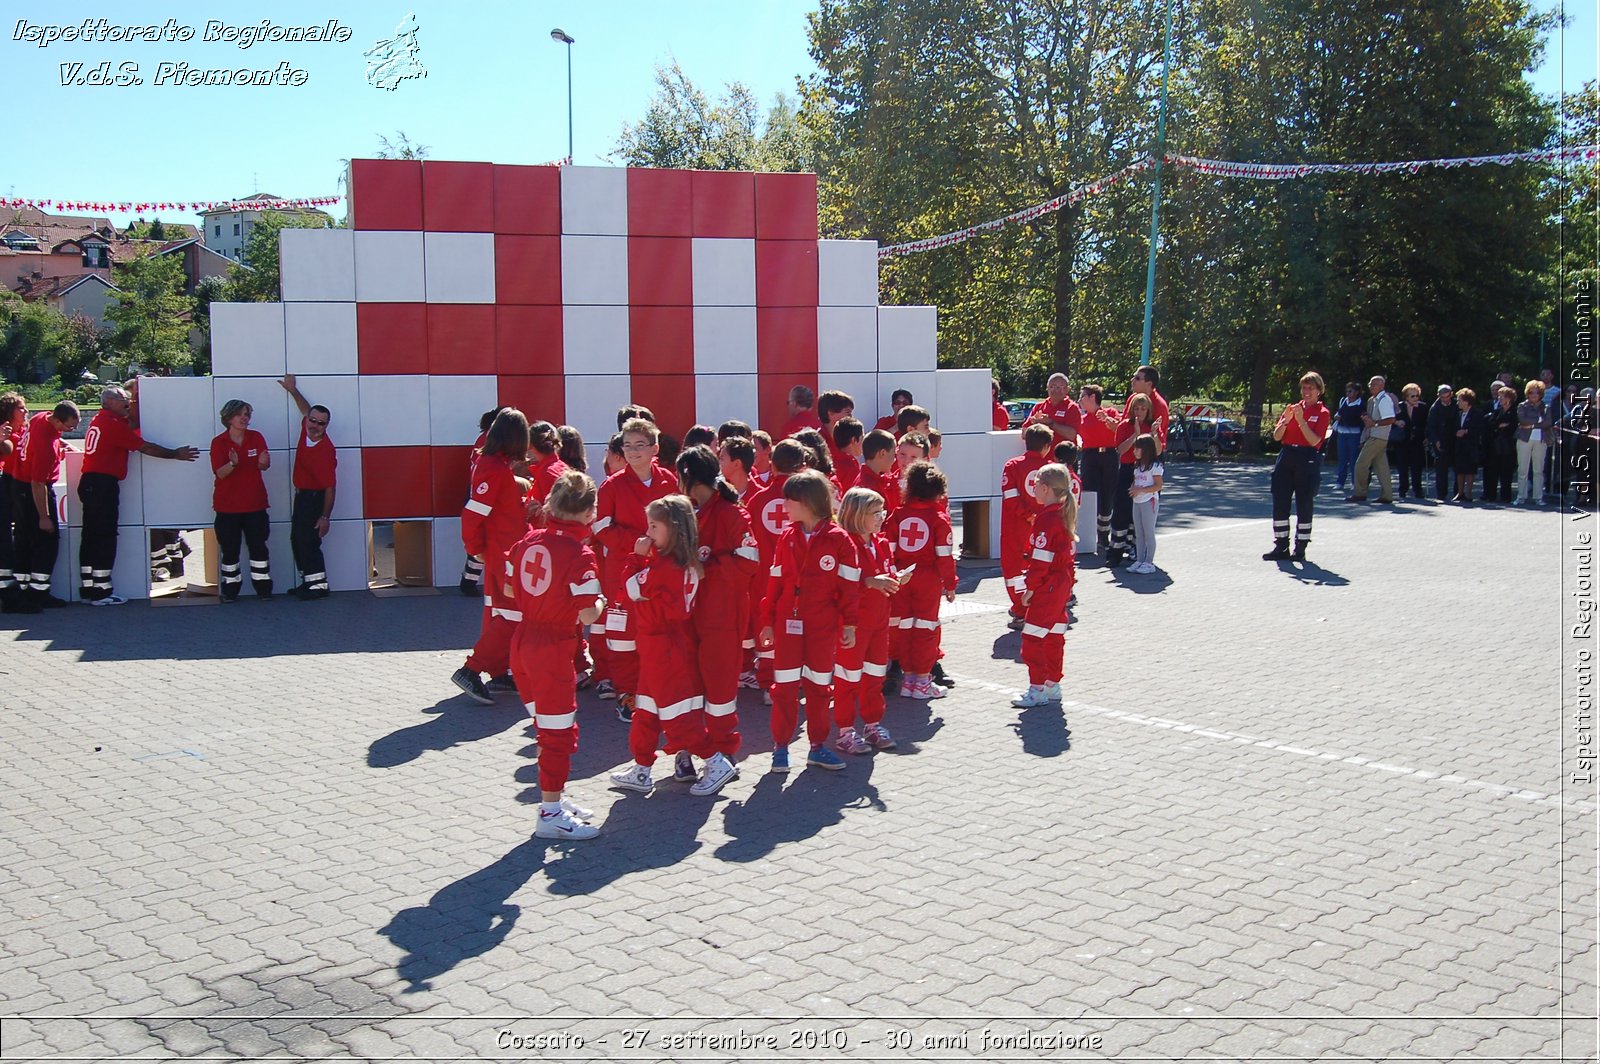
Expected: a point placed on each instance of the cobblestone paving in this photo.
(1307, 812)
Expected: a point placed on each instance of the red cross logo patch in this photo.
(1040, 540)
(537, 572)
(913, 535)
(827, 563)
(774, 517)
(1033, 478)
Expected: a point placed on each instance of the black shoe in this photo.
(20, 605)
(891, 679)
(306, 594)
(939, 677)
(1278, 553)
(228, 598)
(470, 588)
(1299, 554)
(625, 708)
(472, 684)
(502, 683)
(50, 602)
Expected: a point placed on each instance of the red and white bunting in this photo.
(1027, 214)
(1584, 153)
(141, 206)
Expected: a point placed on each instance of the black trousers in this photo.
(1098, 468)
(10, 587)
(1443, 468)
(1413, 458)
(1502, 477)
(1295, 479)
(304, 540)
(100, 494)
(36, 548)
(253, 528)
(1122, 510)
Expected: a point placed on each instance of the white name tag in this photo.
(794, 627)
(616, 621)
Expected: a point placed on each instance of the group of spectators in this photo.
(1513, 444)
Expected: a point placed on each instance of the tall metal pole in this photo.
(563, 37)
(1155, 202)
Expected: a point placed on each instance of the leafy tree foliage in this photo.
(150, 314)
(684, 129)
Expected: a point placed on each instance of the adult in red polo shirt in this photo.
(899, 399)
(1145, 381)
(316, 464)
(1097, 458)
(106, 446)
(238, 457)
(33, 501)
(1058, 411)
(1298, 472)
(13, 420)
(801, 414)
(1001, 419)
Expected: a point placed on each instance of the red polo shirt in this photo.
(108, 443)
(314, 463)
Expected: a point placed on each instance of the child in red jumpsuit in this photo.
(554, 581)
(769, 517)
(860, 668)
(1017, 477)
(619, 523)
(661, 578)
(721, 613)
(813, 598)
(922, 537)
(1052, 567)
(492, 522)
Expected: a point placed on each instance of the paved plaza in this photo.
(1288, 812)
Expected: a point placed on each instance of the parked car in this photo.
(1214, 436)
(1019, 409)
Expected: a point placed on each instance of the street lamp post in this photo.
(561, 35)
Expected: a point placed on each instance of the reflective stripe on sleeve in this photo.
(588, 587)
(482, 509)
(849, 572)
(555, 721)
(1042, 555)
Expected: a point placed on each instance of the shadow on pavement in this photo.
(1309, 572)
(464, 919)
(639, 832)
(1043, 730)
(459, 720)
(815, 799)
(1143, 583)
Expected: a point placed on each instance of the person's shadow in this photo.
(1309, 572)
(1043, 730)
(464, 919)
(455, 722)
(1143, 583)
(815, 799)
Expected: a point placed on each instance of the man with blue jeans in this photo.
(1377, 420)
(1347, 430)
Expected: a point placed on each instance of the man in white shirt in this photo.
(1379, 417)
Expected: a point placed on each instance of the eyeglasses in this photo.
(314, 421)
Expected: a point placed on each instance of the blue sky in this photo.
(495, 90)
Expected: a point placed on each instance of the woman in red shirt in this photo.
(1298, 472)
(239, 455)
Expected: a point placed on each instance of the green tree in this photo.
(684, 129)
(1575, 203)
(257, 280)
(1437, 275)
(935, 116)
(33, 338)
(150, 316)
(84, 344)
(208, 291)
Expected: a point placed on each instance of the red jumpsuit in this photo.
(553, 577)
(768, 520)
(618, 524)
(492, 522)
(922, 536)
(1017, 505)
(886, 486)
(846, 471)
(660, 595)
(858, 671)
(731, 559)
(813, 590)
(1052, 567)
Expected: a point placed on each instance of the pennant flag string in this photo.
(53, 203)
(1586, 153)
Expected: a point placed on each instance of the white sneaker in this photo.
(1033, 696)
(748, 681)
(109, 600)
(634, 778)
(908, 688)
(563, 825)
(719, 772)
(1052, 692)
(576, 810)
